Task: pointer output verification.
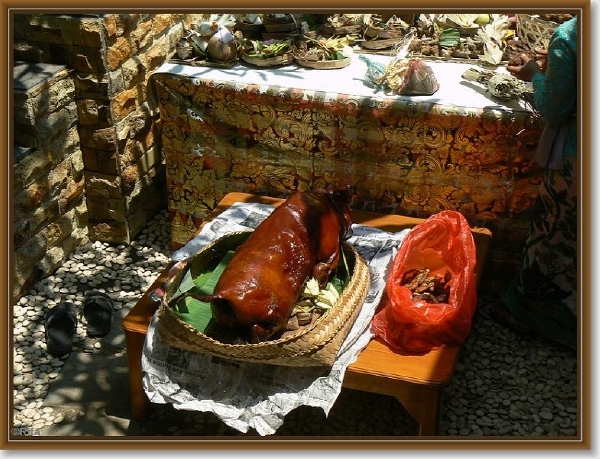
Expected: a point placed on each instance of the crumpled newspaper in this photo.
(246, 395)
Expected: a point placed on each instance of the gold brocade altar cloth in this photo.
(275, 131)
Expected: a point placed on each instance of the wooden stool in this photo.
(414, 380)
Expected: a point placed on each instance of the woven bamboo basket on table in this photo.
(533, 31)
(324, 65)
(315, 344)
(328, 30)
(379, 44)
(284, 59)
(379, 32)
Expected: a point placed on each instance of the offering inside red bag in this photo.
(409, 77)
(419, 79)
(431, 289)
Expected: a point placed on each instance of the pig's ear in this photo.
(342, 195)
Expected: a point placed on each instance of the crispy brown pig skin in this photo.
(302, 237)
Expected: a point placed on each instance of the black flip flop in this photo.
(61, 326)
(98, 310)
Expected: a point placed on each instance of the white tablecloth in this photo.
(453, 91)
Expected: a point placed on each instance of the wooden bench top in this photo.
(434, 368)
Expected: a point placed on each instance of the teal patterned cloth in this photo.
(555, 91)
(543, 297)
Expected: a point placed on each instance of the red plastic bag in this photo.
(419, 79)
(442, 243)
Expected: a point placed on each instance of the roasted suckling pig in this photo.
(301, 238)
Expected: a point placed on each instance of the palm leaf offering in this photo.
(322, 49)
(265, 49)
(482, 37)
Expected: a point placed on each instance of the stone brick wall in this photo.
(88, 165)
(111, 57)
(49, 209)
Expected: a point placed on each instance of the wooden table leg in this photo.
(422, 401)
(140, 405)
(135, 325)
(424, 405)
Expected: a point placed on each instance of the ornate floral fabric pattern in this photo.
(401, 155)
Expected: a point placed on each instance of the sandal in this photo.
(98, 310)
(61, 326)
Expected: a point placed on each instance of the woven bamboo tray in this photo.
(324, 65)
(316, 344)
(284, 59)
(330, 30)
(379, 43)
(377, 32)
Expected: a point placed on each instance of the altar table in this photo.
(276, 131)
(416, 381)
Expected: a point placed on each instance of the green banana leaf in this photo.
(191, 310)
(449, 38)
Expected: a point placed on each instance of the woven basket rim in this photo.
(380, 32)
(342, 30)
(284, 59)
(324, 65)
(308, 340)
(379, 43)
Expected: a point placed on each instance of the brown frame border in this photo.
(9, 7)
